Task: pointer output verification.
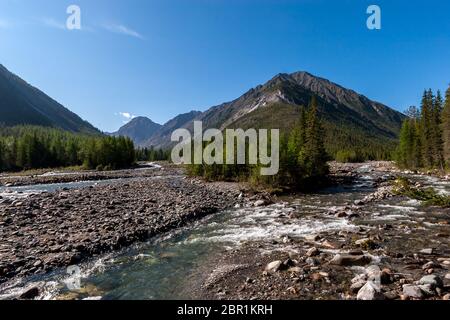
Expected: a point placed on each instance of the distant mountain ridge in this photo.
(23, 104)
(139, 129)
(275, 104)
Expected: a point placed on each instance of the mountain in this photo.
(161, 138)
(139, 129)
(351, 120)
(21, 103)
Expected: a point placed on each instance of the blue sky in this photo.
(161, 58)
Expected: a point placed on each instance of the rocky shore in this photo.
(49, 177)
(50, 230)
(384, 257)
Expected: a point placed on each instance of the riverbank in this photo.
(42, 176)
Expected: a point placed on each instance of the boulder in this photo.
(370, 291)
(350, 260)
(274, 266)
(433, 280)
(412, 291)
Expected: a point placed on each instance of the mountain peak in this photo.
(138, 129)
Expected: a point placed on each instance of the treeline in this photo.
(30, 147)
(303, 159)
(425, 135)
(152, 154)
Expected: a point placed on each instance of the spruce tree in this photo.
(446, 127)
(425, 129)
(438, 145)
(313, 157)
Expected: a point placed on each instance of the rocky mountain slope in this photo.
(21, 103)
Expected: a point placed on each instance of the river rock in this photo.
(356, 286)
(259, 203)
(366, 243)
(370, 291)
(30, 293)
(274, 266)
(349, 260)
(427, 289)
(412, 291)
(431, 264)
(313, 252)
(426, 251)
(433, 280)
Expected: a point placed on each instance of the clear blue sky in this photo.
(161, 58)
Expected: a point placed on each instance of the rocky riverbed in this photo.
(49, 230)
(143, 170)
(388, 247)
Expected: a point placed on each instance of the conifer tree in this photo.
(438, 145)
(313, 157)
(446, 127)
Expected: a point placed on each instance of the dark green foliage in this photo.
(338, 135)
(446, 127)
(152, 154)
(29, 147)
(421, 138)
(303, 159)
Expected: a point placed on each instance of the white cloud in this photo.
(121, 29)
(52, 23)
(128, 116)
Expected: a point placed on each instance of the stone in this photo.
(370, 291)
(447, 276)
(359, 277)
(313, 237)
(431, 264)
(428, 289)
(312, 261)
(391, 295)
(274, 266)
(412, 291)
(427, 251)
(259, 203)
(30, 293)
(356, 286)
(295, 270)
(349, 260)
(313, 252)
(432, 279)
(366, 243)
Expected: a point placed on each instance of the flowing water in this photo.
(164, 267)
